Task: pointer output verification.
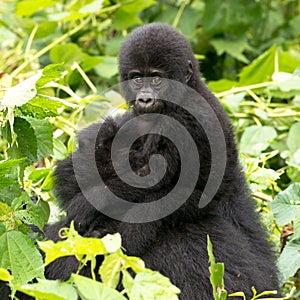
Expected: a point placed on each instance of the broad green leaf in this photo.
(60, 151)
(21, 93)
(222, 85)
(89, 62)
(233, 47)
(6, 165)
(127, 14)
(45, 29)
(38, 174)
(9, 193)
(49, 290)
(222, 17)
(289, 59)
(260, 70)
(110, 269)
(70, 53)
(134, 263)
(44, 136)
(50, 73)
(26, 139)
(112, 242)
(127, 282)
(272, 21)
(27, 8)
(40, 108)
(91, 6)
(25, 210)
(152, 285)
(19, 255)
(188, 21)
(289, 260)
(73, 245)
(5, 275)
(89, 289)
(66, 53)
(293, 140)
(264, 177)
(256, 139)
(108, 68)
(232, 101)
(286, 205)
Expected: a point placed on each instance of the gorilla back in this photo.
(157, 66)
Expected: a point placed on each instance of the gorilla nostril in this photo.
(145, 101)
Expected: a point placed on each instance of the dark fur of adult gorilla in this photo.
(175, 245)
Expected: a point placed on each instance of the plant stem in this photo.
(85, 77)
(48, 47)
(245, 88)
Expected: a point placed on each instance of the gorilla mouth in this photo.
(155, 107)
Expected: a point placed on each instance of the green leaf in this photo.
(21, 93)
(40, 108)
(127, 14)
(260, 70)
(112, 242)
(6, 165)
(73, 245)
(89, 289)
(232, 101)
(293, 140)
(19, 255)
(49, 290)
(256, 139)
(222, 17)
(26, 139)
(93, 7)
(27, 8)
(152, 285)
(110, 270)
(60, 151)
(28, 212)
(44, 136)
(108, 68)
(66, 53)
(289, 260)
(216, 271)
(286, 204)
(38, 174)
(235, 48)
(70, 53)
(50, 73)
(264, 177)
(222, 85)
(5, 275)
(134, 263)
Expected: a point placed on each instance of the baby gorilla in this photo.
(172, 238)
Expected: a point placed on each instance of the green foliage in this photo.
(146, 284)
(58, 56)
(216, 271)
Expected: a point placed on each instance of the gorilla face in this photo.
(146, 88)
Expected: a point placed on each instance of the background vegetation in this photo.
(59, 57)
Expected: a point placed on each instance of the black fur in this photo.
(175, 245)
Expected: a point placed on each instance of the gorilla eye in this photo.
(156, 80)
(138, 80)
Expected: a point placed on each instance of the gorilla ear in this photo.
(189, 72)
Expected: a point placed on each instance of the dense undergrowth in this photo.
(57, 61)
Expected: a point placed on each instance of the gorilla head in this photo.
(150, 54)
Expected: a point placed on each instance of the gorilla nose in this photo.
(145, 100)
